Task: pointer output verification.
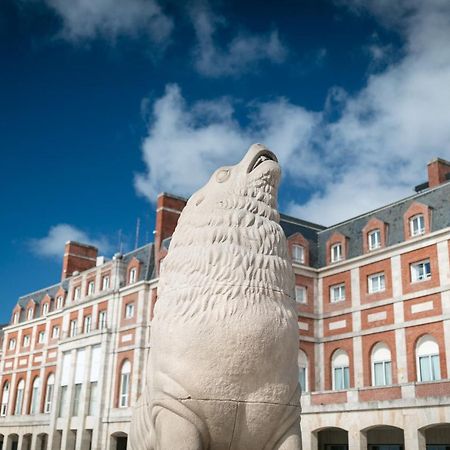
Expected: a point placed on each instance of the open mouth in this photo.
(260, 158)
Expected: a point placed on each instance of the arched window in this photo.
(19, 397)
(298, 253)
(45, 309)
(5, 399)
(132, 275)
(125, 372)
(341, 370)
(303, 370)
(381, 365)
(427, 359)
(49, 393)
(35, 396)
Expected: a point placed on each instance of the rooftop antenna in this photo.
(138, 226)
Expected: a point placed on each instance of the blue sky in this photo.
(105, 103)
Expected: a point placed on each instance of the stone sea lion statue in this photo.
(222, 371)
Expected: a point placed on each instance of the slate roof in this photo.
(438, 199)
(146, 256)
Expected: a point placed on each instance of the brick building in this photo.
(374, 326)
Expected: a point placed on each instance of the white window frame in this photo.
(49, 390)
(102, 320)
(132, 275)
(303, 364)
(60, 302)
(298, 253)
(105, 282)
(381, 354)
(337, 289)
(5, 398)
(19, 397)
(417, 225)
(77, 293)
(301, 294)
(55, 332)
(30, 313)
(337, 366)
(428, 356)
(91, 288)
(45, 309)
(73, 328)
(41, 337)
(129, 310)
(12, 344)
(87, 324)
(336, 252)
(26, 341)
(124, 389)
(34, 403)
(374, 239)
(376, 283)
(418, 271)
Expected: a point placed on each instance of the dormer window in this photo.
(91, 288)
(374, 239)
(44, 309)
(30, 313)
(132, 276)
(60, 302)
(77, 293)
(336, 252)
(417, 225)
(298, 253)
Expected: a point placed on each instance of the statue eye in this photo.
(223, 175)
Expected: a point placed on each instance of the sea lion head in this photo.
(256, 177)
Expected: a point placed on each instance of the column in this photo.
(357, 440)
(84, 435)
(414, 438)
(20, 442)
(310, 441)
(319, 365)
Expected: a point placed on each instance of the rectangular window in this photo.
(87, 324)
(374, 238)
(125, 379)
(302, 378)
(55, 332)
(300, 294)
(91, 288)
(34, 400)
(430, 369)
(73, 328)
(417, 225)
(30, 313)
(382, 373)
(76, 399)
(41, 337)
(336, 252)
(132, 276)
(129, 310)
(77, 293)
(376, 283)
(92, 399)
(26, 341)
(12, 344)
(298, 254)
(105, 283)
(337, 293)
(102, 320)
(19, 401)
(48, 399)
(45, 309)
(62, 401)
(341, 378)
(420, 271)
(59, 302)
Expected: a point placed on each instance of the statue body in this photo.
(222, 371)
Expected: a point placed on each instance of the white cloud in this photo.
(53, 244)
(185, 145)
(89, 19)
(242, 54)
(360, 152)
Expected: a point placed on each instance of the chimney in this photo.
(168, 210)
(78, 257)
(437, 172)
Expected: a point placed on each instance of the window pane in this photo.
(388, 372)
(378, 374)
(424, 367)
(346, 377)
(436, 367)
(338, 380)
(302, 378)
